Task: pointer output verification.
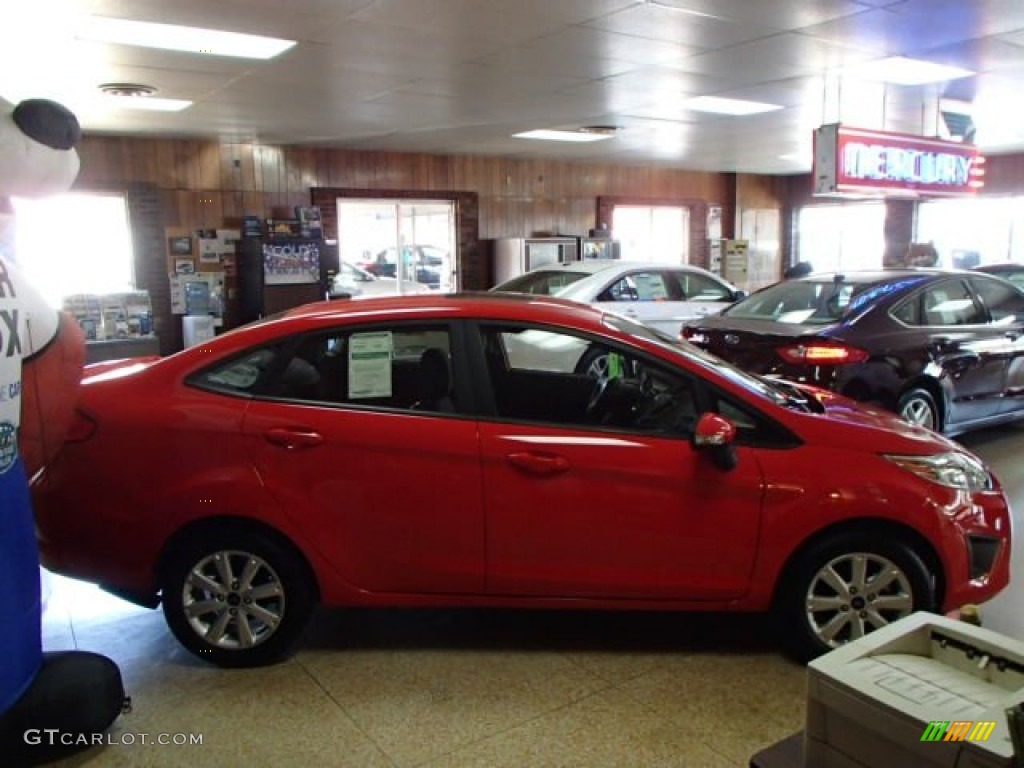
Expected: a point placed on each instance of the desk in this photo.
(117, 349)
(788, 753)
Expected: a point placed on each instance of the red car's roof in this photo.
(499, 305)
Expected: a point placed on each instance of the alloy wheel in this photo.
(233, 600)
(854, 594)
(918, 411)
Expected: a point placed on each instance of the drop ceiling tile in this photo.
(653, 87)
(583, 44)
(493, 21)
(297, 21)
(970, 19)
(539, 60)
(898, 32)
(779, 57)
(451, 75)
(1014, 38)
(774, 14)
(661, 23)
(986, 54)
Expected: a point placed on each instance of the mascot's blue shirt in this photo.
(27, 324)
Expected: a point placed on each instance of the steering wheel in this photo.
(598, 394)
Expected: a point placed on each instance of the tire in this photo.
(825, 602)
(918, 407)
(217, 616)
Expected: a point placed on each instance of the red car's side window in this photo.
(404, 368)
(557, 378)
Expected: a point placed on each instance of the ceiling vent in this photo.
(127, 89)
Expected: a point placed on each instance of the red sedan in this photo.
(452, 451)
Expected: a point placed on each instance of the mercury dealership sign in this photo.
(859, 162)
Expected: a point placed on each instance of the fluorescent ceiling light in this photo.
(722, 106)
(579, 136)
(900, 70)
(171, 37)
(149, 103)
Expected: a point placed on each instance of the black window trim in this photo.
(918, 296)
(706, 394)
(461, 376)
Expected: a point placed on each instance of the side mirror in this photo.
(739, 295)
(716, 434)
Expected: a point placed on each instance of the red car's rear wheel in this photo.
(236, 598)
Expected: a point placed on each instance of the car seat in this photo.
(435, 382)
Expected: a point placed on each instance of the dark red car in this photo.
(944, 349)
(443, 451)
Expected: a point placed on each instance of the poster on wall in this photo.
(291, 263)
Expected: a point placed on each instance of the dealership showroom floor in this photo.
(470, 688)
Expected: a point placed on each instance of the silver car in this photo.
(663, 296)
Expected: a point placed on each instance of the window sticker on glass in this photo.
(650, 287)
(369, 365)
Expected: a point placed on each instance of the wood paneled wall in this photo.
(177, 184)
(204, 184)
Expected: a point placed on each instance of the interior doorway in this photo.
(409, 243)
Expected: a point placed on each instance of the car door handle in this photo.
(293, 438)
(538, 463)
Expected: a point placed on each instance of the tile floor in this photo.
(460, 689)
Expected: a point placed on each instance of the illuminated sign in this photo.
(858, 162)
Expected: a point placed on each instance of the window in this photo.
(241, 375)
(842, 238)
(697, 287)
(968, 232)
(652, 233)
(950, 303)
(542, 283)
(802, 302)
(564, 379)
(639, 286)
(1004, 303)
(406, 368)
(78, 243)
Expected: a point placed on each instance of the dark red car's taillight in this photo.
(822, 353)
(82, 427)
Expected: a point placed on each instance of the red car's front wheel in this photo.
(843, 588)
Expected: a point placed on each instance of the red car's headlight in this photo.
(953, 470)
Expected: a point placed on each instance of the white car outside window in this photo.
(357, 283)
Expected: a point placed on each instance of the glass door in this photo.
(652, 233)
(397, 246)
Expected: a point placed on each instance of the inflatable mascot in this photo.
(50, 704)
